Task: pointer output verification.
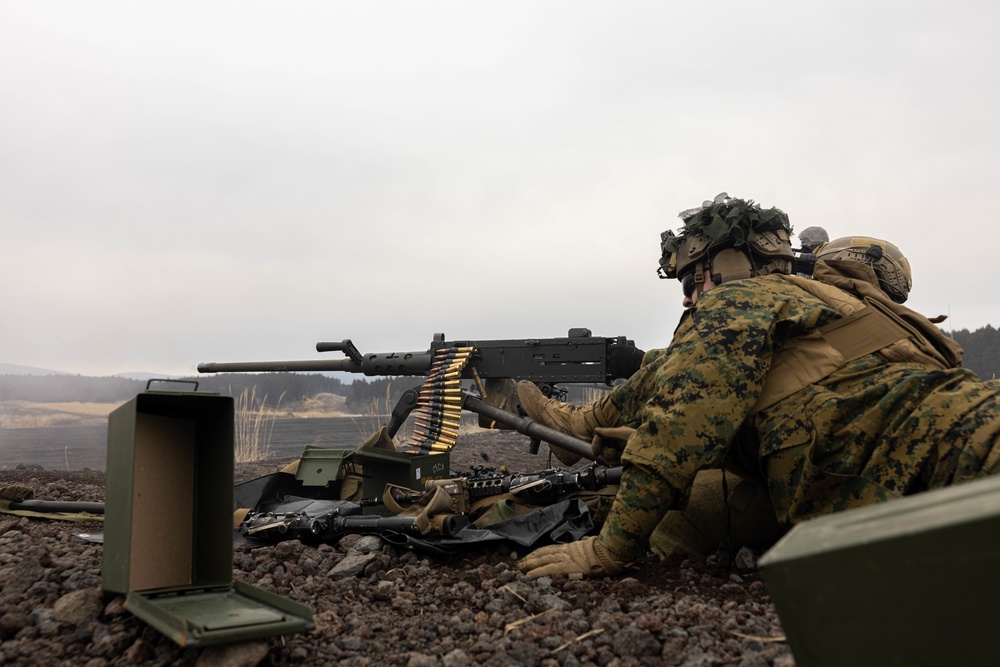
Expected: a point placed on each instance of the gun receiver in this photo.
(579, 357)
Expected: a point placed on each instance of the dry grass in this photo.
(27, 414)
(253, 427)
(376, 415)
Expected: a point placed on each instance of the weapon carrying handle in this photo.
(345, 346)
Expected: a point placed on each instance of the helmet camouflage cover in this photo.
(890, 266)
(735, 238)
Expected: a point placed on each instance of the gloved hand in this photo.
(609, 443)
(586, 556)
(624, 360)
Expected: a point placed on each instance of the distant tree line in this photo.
(68, 388)
(86, 389)
(982, 351)
(379, 395)
(362, 396)
(982, 356)
(294, 386)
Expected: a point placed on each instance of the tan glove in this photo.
(609, 443)
(586, 556)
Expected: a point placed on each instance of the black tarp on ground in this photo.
(280, 494)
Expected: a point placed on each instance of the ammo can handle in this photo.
(151, 381)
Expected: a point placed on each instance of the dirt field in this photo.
(376, 605)
(25, 414)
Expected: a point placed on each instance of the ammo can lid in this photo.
(202, 616)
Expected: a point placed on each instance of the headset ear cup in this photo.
(730, 264)
(692, 249)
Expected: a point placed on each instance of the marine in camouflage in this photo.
(871, 431)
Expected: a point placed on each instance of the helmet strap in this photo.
(698, 278)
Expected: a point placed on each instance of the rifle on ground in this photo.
(542, 487)
(332, 520)
(331, 526)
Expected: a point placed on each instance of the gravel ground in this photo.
(373, 605)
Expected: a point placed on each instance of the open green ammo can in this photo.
(168, 536)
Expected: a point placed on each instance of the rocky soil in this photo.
(374, 605)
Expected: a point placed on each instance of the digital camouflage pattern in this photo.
(871, 431)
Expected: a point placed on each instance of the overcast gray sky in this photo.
(216, 181)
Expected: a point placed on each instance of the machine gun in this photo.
(578, 358)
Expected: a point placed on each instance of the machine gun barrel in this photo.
(578, 357)
(347, 365)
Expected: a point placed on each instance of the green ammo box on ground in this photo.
(912, 581)
(380, 467)
(319, 466)
(168, 523)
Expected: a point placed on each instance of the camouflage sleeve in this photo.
(694, 399)
(627, 395)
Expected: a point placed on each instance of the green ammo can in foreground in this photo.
(912, 581)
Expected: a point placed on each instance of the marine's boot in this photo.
(578, 421)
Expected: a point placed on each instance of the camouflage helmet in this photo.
(734, 238)
(890, 266)
(810, 237)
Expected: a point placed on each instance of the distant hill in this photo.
(64, 387)
(16, 369)
(144, 376)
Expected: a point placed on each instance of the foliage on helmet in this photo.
(728, 222)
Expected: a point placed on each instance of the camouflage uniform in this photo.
(871, 431)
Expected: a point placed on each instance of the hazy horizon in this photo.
(219, 181)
